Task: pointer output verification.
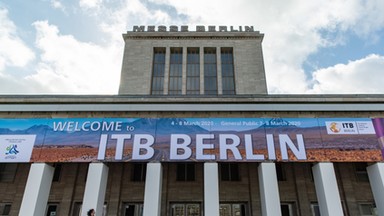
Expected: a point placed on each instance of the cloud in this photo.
(11, 84)
(361, 76)
(117, 20)
(370, 19)
(70, 66)
(13, 52)
(90, 4)
(57, 4)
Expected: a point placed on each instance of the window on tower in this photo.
(193, 74)
(158, 71)
(175, 71)
(210, 71)
(193, 71)
(227, 72)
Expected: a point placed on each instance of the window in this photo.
(7, 172)
(190, 81)
(5, 208)
(210, 71)
(287, 209)
(158, 71)
(132, 209)
(227, 71)
(51, 209)
(57, 173)
(175, 71)
(232, 209)
(193, 71)
(315, 209)
(185, 172)
(368, 209)
(139, 172)
(361, 172)
(229, 172)
(280, 172)
(185, 209)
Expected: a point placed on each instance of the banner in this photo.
(191, 139)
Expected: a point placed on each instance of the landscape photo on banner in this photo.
(191, 139)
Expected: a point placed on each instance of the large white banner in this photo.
(191, 139)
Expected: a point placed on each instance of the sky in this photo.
(76, 46)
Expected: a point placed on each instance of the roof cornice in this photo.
(45, 103)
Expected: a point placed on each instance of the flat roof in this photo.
(193, 35)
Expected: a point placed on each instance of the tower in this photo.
(213, 61)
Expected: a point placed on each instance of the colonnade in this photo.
(39, 181)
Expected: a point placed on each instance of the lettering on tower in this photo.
(199, 28)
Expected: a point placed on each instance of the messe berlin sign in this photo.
(199, 28)
(191, 139)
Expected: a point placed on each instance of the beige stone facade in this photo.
(138, 58)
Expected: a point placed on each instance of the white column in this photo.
(326, 189)
(37, 190)
(269, 190)
(152, 194)
(211, 189)
(376, 179)
(95, 187)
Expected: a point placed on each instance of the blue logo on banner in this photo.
(11, 150)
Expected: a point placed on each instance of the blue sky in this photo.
(76, 47)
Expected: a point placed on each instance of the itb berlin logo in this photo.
(16, 148)
(349, 127)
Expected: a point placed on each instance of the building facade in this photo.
(192, 132)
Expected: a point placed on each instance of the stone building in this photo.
(192, 132)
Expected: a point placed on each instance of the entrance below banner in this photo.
(194, 209)
(233, 209)
(185, 209)
(132, 209)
